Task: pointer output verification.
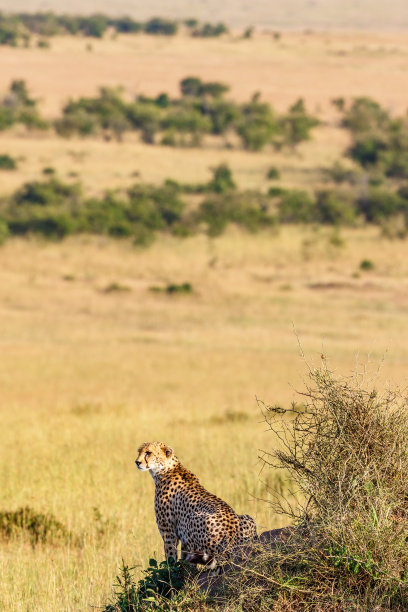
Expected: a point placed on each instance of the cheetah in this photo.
(185, 511)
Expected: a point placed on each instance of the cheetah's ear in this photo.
(168, 451)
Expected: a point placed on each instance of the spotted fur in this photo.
(186, 512)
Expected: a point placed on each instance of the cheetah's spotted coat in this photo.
(185, 511)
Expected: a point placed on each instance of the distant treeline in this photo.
(16, 28)
(55, 209)
(371, 189)
(201, 110)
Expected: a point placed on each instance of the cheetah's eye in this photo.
(147, 453)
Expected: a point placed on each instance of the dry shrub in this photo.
(347, 452)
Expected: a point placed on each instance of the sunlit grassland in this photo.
(86, 375)
(317, 66)
(102, 165)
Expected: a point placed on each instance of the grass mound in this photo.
(347, 452)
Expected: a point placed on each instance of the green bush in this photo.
(7, 117)
(7, 162)
(295, 127)
(76, 122)
(165, 202)
(335, 208)
(224, 115)
(56, 209)
(48, 208)
(273, 173)
(190, 86)
(365, 115)
(274, 192)
(187, 121)
(158, 25)
(42, 23)
(47, 221)
(380, 144)
(4, 231)
(368, 149)
(248, 209)
(222, 181)
(51, 192)
(85, 116)
(116, 288)
(195, 87)
(43, 44)
(213, 89)
(18, 107)
(367, 265)
(163, 100)
(257, 125)
(297, 207)
(380, 204)
(109, 215)
(208, 30)
(191, 22)
(39, 528)
(144, 117)
(48, 171)
(161, 588)
(94, 25)
(126, 25)
(173, 289)
(9, 34)
(144, 210)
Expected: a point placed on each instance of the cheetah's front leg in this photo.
(170, 542)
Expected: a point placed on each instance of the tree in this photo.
(222, 180)
(296, 125)
(158, 25)
(256, 125)
(190, 86)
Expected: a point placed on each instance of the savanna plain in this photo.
(95, 360)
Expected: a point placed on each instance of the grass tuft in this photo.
(39, 528)
(173, 289)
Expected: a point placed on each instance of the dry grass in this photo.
(345, 448)
(87, 375)
(103, 165)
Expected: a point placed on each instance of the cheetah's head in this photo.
(156, 457)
